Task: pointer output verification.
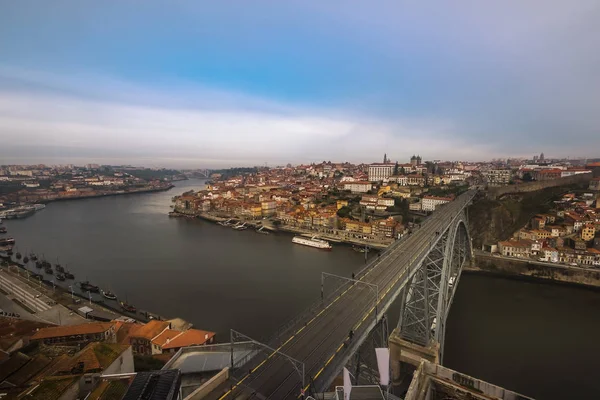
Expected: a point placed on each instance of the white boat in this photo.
(240, 227)
(39, 207)
(312, 242)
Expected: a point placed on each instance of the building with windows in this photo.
(77, 334)
(380, 172)
(515, 248)
(429, 203)
(588, 232)
(358, 187)
(498, 176)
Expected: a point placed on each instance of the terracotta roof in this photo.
(190, 337)
(151, 329)
(94, 357)
(166, 336)
(11, 327)
(69, 330)
(125, 330)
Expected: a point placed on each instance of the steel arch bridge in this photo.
(426, 299)
(421, 270)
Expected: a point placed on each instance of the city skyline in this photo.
(299, 83)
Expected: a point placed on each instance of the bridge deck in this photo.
(321, 343)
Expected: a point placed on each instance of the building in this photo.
(415, 206)
(388, 228)
(430, 203)
(588, 232)
(141, 338)
(99, 357)
(498, 176)
(358, 187)
(415, 160)
(515, 248)
(191, 337)
(372, 202)
(77, 334)
(380, 172)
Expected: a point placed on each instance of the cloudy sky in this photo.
(220, 83)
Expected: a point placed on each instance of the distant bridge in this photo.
(421, 270)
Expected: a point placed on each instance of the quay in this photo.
(270, 226)
(45, 301)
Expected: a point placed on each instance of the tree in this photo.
(527, 177)
(402, 171)
(344, 212)
(396, 168)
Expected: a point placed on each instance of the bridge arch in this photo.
(426, 299)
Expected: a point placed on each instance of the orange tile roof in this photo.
(166, 336)
(151, 329)
(83, 329)
(190, 337)
(125, 330)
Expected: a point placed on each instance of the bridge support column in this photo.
(406, 356)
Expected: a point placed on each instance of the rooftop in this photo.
(95, 357)
(191, 337)
(70, 330)
(151, 329)
(51, 388)
(155, 385)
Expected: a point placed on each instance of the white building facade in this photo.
(429, 203)
(380, 172)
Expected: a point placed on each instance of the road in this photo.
(534, 261)
(319, 343)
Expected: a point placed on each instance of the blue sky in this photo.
(213, 84)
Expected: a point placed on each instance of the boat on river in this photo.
(60, 276)
(109, 295)
(128, 307)
(7, 241)
(88, 287)
(312, 242)
(2, 229)
(69, 275)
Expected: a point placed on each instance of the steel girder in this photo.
(425, 301)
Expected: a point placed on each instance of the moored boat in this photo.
(109, 295)
(87, 287)
(128, 307)
(69, 275)
(312, 242)
(7, 241)
(2, 229)
(60, 276)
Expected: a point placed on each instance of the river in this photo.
(537, 339)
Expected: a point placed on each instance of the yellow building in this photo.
(341, 203)
(588, 232)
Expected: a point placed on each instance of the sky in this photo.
(211, 84)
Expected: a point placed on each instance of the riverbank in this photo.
(107, 194)
(72, 300)
(535, 271)
(268, 225)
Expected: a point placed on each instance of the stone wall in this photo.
(499, 191)
(528, 269)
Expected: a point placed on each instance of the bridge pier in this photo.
(406, 356)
